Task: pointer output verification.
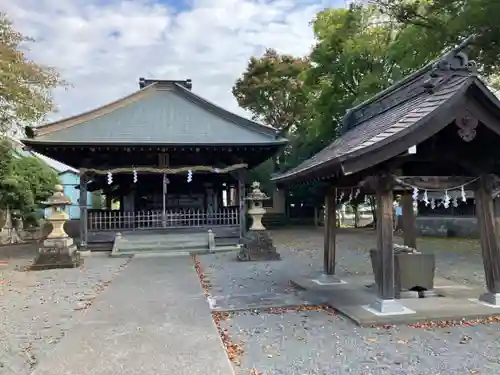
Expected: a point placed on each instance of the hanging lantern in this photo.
(110, 178)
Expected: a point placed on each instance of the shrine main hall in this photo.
(164, 158)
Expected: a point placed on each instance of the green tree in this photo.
(40, 177)
(444, 23)
(271, 89)
(39, 180)
(25, 86)
(358, 53)
(24, 183)
(15, 191)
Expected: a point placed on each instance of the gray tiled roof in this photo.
(381, 128)
(161, 114)
(385, 119)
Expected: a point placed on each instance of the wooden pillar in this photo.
(109, 200)
(385, 239)
(489, 240)
(409, 222)
(330, 232)
(83, 211)
(242, 203)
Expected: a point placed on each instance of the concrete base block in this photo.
(324, 279)
(488, 299)
(408, 294)
(383, 307)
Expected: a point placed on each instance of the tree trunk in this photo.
(355, 209)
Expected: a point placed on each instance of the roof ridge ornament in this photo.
(455, 62)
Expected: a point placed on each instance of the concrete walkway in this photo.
(153, 319)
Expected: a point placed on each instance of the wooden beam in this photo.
(330, 232)
(409, 222)
(385, 238)
(242, 202)
(489, 240)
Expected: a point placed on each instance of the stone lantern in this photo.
(257, 210)
(58, 249)
(257, 244)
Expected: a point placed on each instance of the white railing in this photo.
(155, 219)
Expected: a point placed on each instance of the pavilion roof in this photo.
(161, 113)
(388, 124)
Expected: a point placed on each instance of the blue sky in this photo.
(102, 47)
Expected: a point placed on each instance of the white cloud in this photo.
(103, 47)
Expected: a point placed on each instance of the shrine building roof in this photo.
(401, 116)
(161, 112)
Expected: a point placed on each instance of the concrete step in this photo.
(172, 253)
(164, 242)
(161, 245)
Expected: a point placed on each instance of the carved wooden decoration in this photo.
(467, 125)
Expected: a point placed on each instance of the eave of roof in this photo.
(271, 143)
(391, 136)
(438, 85)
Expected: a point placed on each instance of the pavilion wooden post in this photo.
(83, 211)
(489, 240)
(330, 231)
(164, 200)
(109, 200)
(385, 303)
(242, 203)
(409, 222)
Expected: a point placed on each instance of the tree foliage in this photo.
(447, 22)
(359, 51)
(271, 89)
(15, 192)
(25, 181)
(25, 86)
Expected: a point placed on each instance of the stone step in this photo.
(164, 242)
(170, 238)
(162, 245)
(175, 252)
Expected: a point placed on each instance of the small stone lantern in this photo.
(58, 249)
(257, 244)
(257, 210)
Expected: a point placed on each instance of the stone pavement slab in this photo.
(453, 303)
(153, 319)
(256, 301)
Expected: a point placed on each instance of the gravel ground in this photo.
(37, 308)
(318, 343)
(302, 254)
